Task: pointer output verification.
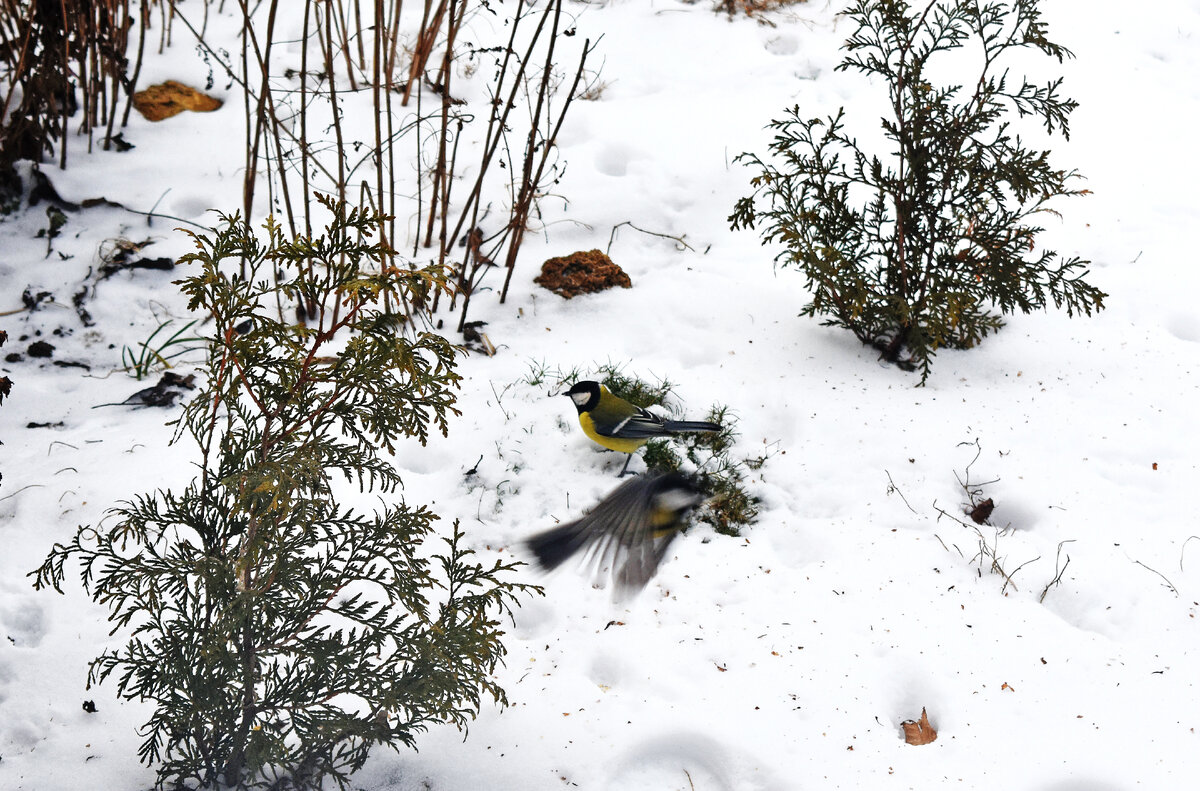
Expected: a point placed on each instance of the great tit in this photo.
(627, 533)
(616, 424)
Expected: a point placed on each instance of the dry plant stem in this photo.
(376, 88)
(115, 97)
(892, 487)
(441, 174)
(445, 169)
(496, 133)
(358, 25)
(62, 55)
(267, 120)
(439, 168)
(327, 40)
(343, 33)
(527, 188)
(443, 251)
(270, 135)
(426, 38)
(144, 16)
(680, 240)
(491, 139)
(171, 12)
(445, 207)
(280, 158)
(1183, 549)
(87, 106)
(389, 72)
(162, 28)
(393, 38)
(986, 552)
(250, 162)
(203, 44)
(262, 56)
(417, 160)
(308, 162)
(1058, 570)
(66, 115)
(326, 37)
(1171, 586)
(306, 195)
(19, 67)
(1009, 577)
(531, 184)
(973, 491)
(381, 98)
(498, 119)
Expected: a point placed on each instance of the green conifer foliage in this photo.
(917, 249)
(278, 634)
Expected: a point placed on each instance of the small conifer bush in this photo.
(921, 247)
(279, 634)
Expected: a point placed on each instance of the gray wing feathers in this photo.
(690, 425)
(617, 535)
(645, 424)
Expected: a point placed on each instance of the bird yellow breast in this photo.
(612, 443)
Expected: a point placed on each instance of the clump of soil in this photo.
(584, 272)
(171, 98)
(40, 349)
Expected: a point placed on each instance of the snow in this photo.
(786, 658)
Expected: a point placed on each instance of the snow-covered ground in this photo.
(787, 658)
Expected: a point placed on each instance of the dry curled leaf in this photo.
(171, 98)
(920, 731)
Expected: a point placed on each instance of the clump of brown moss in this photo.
(583, 272)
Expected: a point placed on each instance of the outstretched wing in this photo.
(626, 534)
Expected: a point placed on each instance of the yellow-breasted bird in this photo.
(627, 533)
(616, 424)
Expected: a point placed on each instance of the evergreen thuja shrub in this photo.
(279, 634)
(919, 248)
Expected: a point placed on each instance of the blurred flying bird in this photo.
(627, 533)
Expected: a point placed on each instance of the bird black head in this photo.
(676, 494)
(586, 395)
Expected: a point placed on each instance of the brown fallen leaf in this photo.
(920, 731)
(171, 98)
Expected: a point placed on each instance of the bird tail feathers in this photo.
(690, 425)
(555, 545)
